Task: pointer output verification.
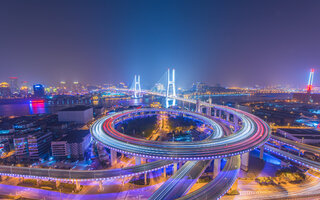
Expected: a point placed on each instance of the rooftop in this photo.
(77, 108)
(74, 136)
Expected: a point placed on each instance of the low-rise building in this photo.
(71, 145)
(78, 114)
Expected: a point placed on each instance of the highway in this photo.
(83, 175)
(182, 181)
(216, 188)
(297, 159)
(254, 133)
(298, 145)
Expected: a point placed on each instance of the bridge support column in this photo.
(165, 172)
(175, 167)
(57, 183)
(220, 113)
(208, 111)
(215, 113)
(38, 181)
(236, 123)
(216, 167)
(145, 178)
(228, 117)
(198, 106)
(100, 186)
(77, 185)
(245, 161)
(261, 152)
(113, 155)
(138, 160)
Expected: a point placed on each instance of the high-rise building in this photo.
(38, 90)
(76, 87)
(5, 90)
(14, 84)
(62, 87)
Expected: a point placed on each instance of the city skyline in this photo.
(231, 43)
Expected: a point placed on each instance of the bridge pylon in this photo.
(171, 89)
(137, 87)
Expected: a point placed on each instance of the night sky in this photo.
(228, 42)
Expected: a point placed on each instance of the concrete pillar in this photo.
(215, 112)
(220, 113)
(236, 123)
(138, 160)
(77, 185)
(210, 100)
(57, 183)
(261, 152)
(165, 172)
(228, 117)
(245, 161)
(198, 106)
(100, 186)
(113, 155)
(175, 167)
(216, 167)
(145, 178)
(208, 111)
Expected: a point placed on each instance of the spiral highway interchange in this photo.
(253, 133)
(223, 143)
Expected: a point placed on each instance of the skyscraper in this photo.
(14, 84)
(38, 90)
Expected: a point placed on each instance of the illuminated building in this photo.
(71, 145)
(95, 100)
(38, 90)
(62, 87)
(76, 87)
(5, 90)
(21, 146)
(14, 84)
(24, 90)
(39, 145)
(32, 145)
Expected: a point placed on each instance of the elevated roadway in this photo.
(254, 132)
(83, 175)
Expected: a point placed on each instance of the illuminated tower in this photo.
(137, 87)
(310, 81)
(14, 84)
(171, 89)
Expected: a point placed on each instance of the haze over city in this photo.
(234, 43)
(159, 100)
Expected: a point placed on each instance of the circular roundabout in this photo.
(253, 133)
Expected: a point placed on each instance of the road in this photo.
(83, 175)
